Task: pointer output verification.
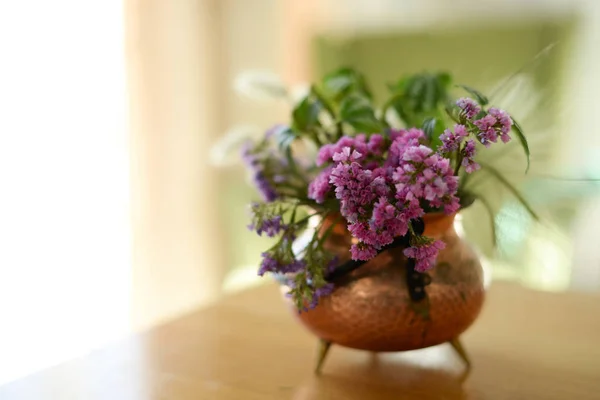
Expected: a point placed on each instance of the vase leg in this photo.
(458, 347)
(324, 347)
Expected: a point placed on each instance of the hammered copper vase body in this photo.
(370, 308)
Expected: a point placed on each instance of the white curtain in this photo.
(65, 254)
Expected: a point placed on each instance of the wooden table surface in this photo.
(525, 345)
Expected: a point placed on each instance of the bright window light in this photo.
(64, 184)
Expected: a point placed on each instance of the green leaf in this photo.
(343, 82)
(357, 111)
(466, 198)
(284, 136)
(306, 114)
(454, 113)
(420, 96)
(496, 174)
(429, 127)
(444, 80)
(481, 99)
(522, 139)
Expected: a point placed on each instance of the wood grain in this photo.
(526, 345)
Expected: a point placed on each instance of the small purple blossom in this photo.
(375, 145)
(428, 176)
(265, 188)
(496, 123)
(503, 119)
(356, 188)
(273, 265)
(424, 254)
(320, 186)
(270, 226)
(320, 292)
(451, 140)
(469, 107)
(362, 251)
(486, 122)
(346, 154)
(327, 152)
(468, 161)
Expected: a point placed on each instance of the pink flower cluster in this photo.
(452, 140)
(424, 254)
(495, 123)
(381, 193)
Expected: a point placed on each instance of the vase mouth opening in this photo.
(436, 223)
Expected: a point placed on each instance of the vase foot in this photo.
(324, 347)
(460, 350)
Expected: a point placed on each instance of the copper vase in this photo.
(370, 309)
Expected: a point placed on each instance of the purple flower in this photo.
(378, 202)
(320, 186)
(269, 264)
(496, 123)
(272, 264)
(270, 226)
(261, 182)
(424, 254)
(416, 153)
(407, 136)
(327, 152)
(486, 122)
(346, 154)
(488, 137)
(375, 145)
(430, 178)
(504, 121)
(469, 107)
(322, 291)
(264, 187)
(468, 157)
(356, 188)
(362, 251)
(487, 131)
(451, 140)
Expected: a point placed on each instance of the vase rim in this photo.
(436, 223)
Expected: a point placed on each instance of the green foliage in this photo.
(416, 97)
(357, 111)
(481, 99)
(339, 84)
(284, 136)
(490, 212)
(433, 128)
(496, 174)
(419, 100)
(305, 115)
(522, 139)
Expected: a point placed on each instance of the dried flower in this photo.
(261, 182)
(424, 251)
(270, 226)
(272, 264)
(451, 140)
(469, 107)
(468, 153)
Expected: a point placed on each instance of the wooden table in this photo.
(526, 345)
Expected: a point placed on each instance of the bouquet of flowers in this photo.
(377, 170)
